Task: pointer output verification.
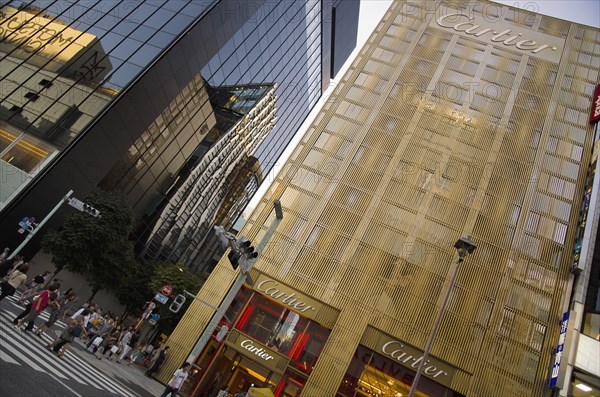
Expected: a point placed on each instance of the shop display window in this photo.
(238, 303)
(271, 324)
(308, 347)
(371, 374)
(291, 385)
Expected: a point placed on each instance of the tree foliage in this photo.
(180, 279)
(98, 247)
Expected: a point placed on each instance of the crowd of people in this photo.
(104, 333)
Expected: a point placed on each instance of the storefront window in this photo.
(291, 385)
(371, 374)
(271, 324)
(309, 347)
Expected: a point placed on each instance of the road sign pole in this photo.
(39, 225)
(233, 290)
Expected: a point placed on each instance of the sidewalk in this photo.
(132, 376)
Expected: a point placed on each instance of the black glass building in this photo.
(118, 94)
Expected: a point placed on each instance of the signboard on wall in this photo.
(559, 350)
(595, 112)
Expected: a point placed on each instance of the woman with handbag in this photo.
(59, 308)
(110, 344)
(15, 280)
(61, 344)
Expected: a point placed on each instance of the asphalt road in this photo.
(28, 369)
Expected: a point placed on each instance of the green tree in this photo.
(98, 247)
(180, 279)
(133, 291)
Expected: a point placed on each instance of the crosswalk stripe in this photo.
(17, 348)
(73, 365)
(78, 363)
(7, 358)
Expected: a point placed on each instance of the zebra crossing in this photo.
(28, 350)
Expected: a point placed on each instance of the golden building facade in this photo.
(456, 119)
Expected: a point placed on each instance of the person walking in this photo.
(39, 304)
(177, 380)
(124, 344)
(27, 297)
(31, 296)
(103, 331)
(4, 254)
(138, 351)
(111, 344)
(61, 344)
(63, 306)
(15, 280)
(6, 267)
(160, 358)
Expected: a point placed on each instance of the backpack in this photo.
(76, 331)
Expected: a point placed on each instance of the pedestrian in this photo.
(177, 380)
(160, 358)
(61, 344)
(102, 332)
(6, 266)
(39, 304)
(15, 280)
(223, 392)
(124, 343)
(63, 305)
(139, 350)
(31, 294)
(94, 320)
(27, 297)
(4, 254)
(110, 345)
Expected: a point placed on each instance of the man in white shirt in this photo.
(177, 380)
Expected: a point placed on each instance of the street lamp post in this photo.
(464, 246)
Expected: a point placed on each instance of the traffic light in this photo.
(246, 248)
(177, 303)
(91, 210)
(246, 252)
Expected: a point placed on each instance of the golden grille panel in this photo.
(434, 135)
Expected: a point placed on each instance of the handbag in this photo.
(98, 341)
(114, 349)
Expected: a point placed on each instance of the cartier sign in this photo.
(284, 295)
(408, 356)
(504, 33)
(398, 352)
(256, 351)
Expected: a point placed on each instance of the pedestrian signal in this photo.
(177, 303)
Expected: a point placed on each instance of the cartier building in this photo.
(456, 119)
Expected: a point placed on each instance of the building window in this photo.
(32, 96)
(46, 83)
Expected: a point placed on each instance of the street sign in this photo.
(166, 290)
(75, 203)
(27, 224)
(83, 207)
(161, 298)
